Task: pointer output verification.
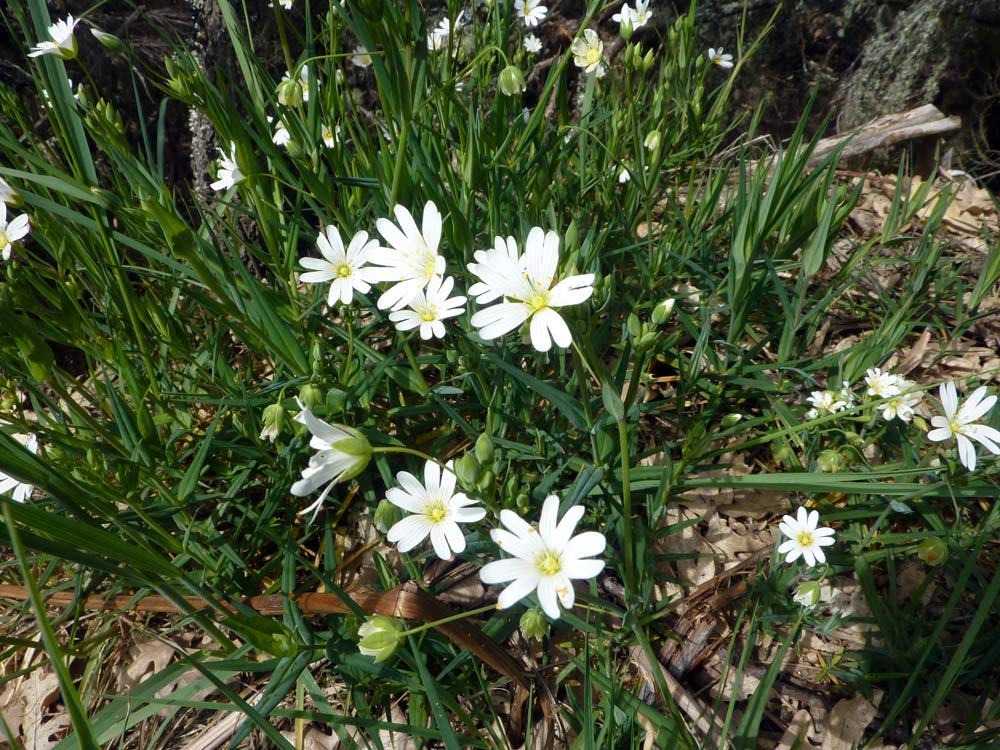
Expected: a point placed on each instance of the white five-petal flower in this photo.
(588, 53)
(806, 538)
(343, 453)
(717, 57)
(330, 135)
(281, 135)
(18, 490)
(61, 41)
(532, 12)
(532, 44)
(229, 173)
(429, 308)
(436, 511)
(527, 285)
(12, 232)
(344, 269)
(437, 39)
(412, 258)
(637, 17)
(361, 57)
(959, 423)
(545, 559)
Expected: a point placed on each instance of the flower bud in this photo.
(467, 469)
(385, 516)
(933, 551)
(808, 593)
(647, 62)
(731, 419)
(534, 623)
(652, 140)
(274, 420)
(290, 92)
(487, 483)
(830, 461)
(511, 81)
(484, 449)
(310, 396)
(663, 311)
(109, 41)
(380, 636)
(625, 27)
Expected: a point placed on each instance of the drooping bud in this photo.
(808, 594)
(273, 421)
(663, 311)
(511, 81)
(109, 41)
(933, 551)
(290, 92)
(652, 140)
(385, 516)
(380, 636)
(534, 623)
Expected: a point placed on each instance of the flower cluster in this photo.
(894, 397)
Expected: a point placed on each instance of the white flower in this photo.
(830, 402)
(437, 510)
(19, 491)
(330, 135)
(805, 539)
(530, 11)
(527, 283)
(12, 232)
(343, 453)
(642, 14)
(505, 248)
(532, 44)
(652, 140)
(286, 4)
(716, 57)
(7, 193)
(637, 17)
(345, 269)
(429, 308)
(229, 171)
(588, 53)
(361, 57)
(959, 423)
(412, 259)
(438, 38)
(281, 135)
(544, 559)
(881, 384)
(901, 406)
(62, 43)
(624, 176)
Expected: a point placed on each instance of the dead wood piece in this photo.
(920, 122)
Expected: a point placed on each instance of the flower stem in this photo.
(453, 618)
(627, 507)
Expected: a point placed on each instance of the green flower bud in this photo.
(310, 396)
(274, 420)
(652, 140)
(336, 399)
(511, 81)
(808, 593)
(633, 326)
(290, 92)
(534, 623)
(662, 312)
(484, 449)
(933, 550)
(487, 483)
(110, 41)
(731, 419)
(386, 515)
(830, 461)
(647, 62)
(380, 636)
(467, 469)
(625, 27)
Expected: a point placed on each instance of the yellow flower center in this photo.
(593, 56)
(4, 241)
(549, 564)
(429, 314)
(805, 539)
(343, 270)
(436, 511)
(953, 424)
(538, 300)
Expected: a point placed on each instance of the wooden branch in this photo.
(921, 122)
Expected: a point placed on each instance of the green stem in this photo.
(453, 618)
(627, 507)
(408, 451)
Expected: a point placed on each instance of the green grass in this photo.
(145, 329)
